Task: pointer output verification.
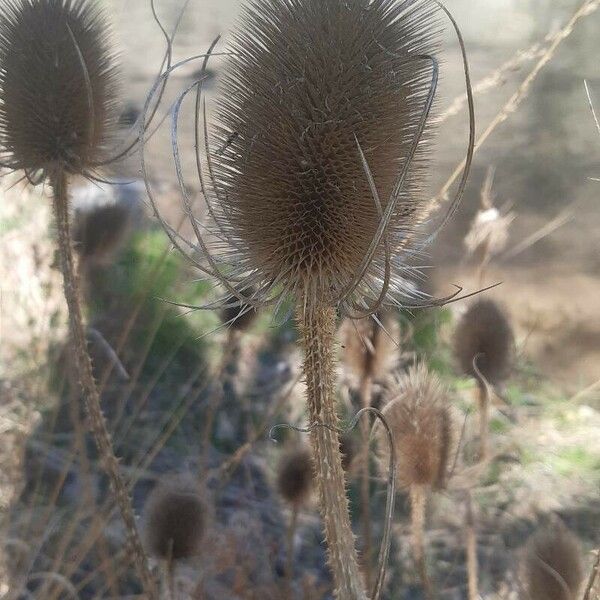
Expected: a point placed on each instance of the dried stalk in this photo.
(318, 332)
(472, 565)
(365, 484)
(91, 397)
(417, 513)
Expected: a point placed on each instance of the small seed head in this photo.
(295, 475)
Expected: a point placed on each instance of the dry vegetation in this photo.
(137, 456)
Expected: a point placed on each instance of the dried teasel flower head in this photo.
(553, 564)
(295, 475)
(175, 519)
(420, 419)
(370, 345)
(485, 332)
(57, 85)
(313, 92)
(348, 450)
(236, 314)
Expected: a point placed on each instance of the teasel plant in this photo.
(418, 414)
(311, 179)
(175, 524)
(294, 483)
(370, 352)
(58, 100)
(552, 567)
(484, 348)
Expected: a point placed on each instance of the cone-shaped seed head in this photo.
(175, 520)
(485, 331)
(295, 475)
(370, 348)
(57, 84)
(420, 419)
(237, 315)
(348, 450)
(308, 78)
(553, 566)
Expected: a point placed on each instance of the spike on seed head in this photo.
(175, 520)
(295, 475)
(484, 331)
(370, 349)
(57, 84)
(420, 420)
(553, 566)
(306, 80)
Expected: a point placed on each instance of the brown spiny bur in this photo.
(420, 419)
(306, 84)
(348, 450)
(175, 520)
(370, 345)
(553, 564)
(57, 85)
(295, 475)
(484, 334)
(236, 314)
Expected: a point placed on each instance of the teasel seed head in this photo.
(311, 84)
(295, 475)
(175, 519)
(348, 450)
(553, 565)
(420, 419)
(57, 85)
(370, 347)
(485, 332)
(237, 315)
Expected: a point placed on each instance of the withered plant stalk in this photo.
(418, 501)
(365, 484)
(483, 401)
(291, 532)
(472, 565)
(91, 397)
(317, 324)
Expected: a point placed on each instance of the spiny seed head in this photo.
(370, 349)
(553, 566)
(484, 331)
(295, 475)
(99, 230)
(306, 80)
(347, 450)
(420, 420)
(175, 520)
(237, 315)
(57, 84)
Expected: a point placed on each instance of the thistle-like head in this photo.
(57, 85)
(419, 416)
(295, 475)
(484, 335)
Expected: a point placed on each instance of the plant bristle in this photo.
(57, 84)
(484, 331)
(306, 80)
(175, 520)
(418, 414)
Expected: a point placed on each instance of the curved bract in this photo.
(57, 85)
(321, 112)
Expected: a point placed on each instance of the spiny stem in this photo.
(484, 417)
(318, 331)
(365, 485)
(90, 394)
(472, 566)
(417, 513)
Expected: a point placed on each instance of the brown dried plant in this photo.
(57, 100)
(484, 348)
(419, 416)
(313, 186)
(553, 564)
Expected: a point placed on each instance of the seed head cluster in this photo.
(309, 80)
(57, 85)
(295, 475)
(420, 419)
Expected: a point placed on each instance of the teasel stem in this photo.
(91, 397)
(291, 532)
(472, 566)
(483, 401)
(365, 484)
(418, 501)
(317, 323)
